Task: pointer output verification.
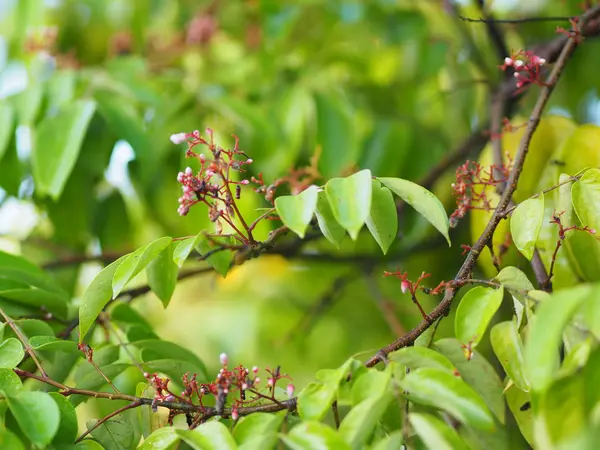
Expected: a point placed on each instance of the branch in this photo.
(513, 21)
(24, 341)
(569, 44)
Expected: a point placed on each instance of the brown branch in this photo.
(569, 44)
(517, 21)
(24, 341)
(131, 405)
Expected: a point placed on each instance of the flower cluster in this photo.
(470, 188)
(527, 67)
(212, 184)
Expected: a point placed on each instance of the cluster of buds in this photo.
(212, 184)
(562, 230)
(470, 188)
(411, 287)
(161, 389)
(527, 67)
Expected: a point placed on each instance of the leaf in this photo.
(153, 349)
(374, 383)
(209, 436)
(541, 347)
(423, 201)
(383, 217)
(173, 368)
(475, 312)
(67, 429)
(296, 211)
(415, 357)
(183, 250)
(332, 230)
(526, 223)
(360, 422)
(10, 441)
(57, 143)
(258, 431)
(11, 353)
(220, 261)
(314, 436)
(519, 403)
(96, 296)
(7, 127)
(161, 439)
(137, 261)
(440, 389)
(37, 414)
(315, 400)
(435, 433)
(508, 348)
(51, 343)
(585, 195)
(10, 383)
(514, 279)
(350, 200)
(114, 434)
(162, 275)
(392, 441)
(50, 301)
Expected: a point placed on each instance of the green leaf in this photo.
(474, 314)
(88, 444)
(220, 261)
(161, 439)
(174, 368)
(50, 301)
(10, 441)
(585, 195)
(183, 250)
(435, 433)
(393, 441)
(209, 436)
(51, 343)
(423, 201)
(7, 127)
(315, 400)
(440, 389)
(415, 357)
(514, 279)
(526, 223)
(332, 230)
(359, 424)
(10, 383)
(137, 261)
(314, 436)
(374, 383)
(11, 353)
(37, 414)
(545, 334)
(162, 275)
(258, 431)
(57, 142)
(153, 349)
(519, 403)
(67, 429)
(508, 347)
(296, 211)
(383, 217)
(96, 296)
(350, 200)
(114, 434)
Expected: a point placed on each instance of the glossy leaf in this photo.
(37, 414)
(10, 383)
(358, 425)
(383, 217)
(50, 301)
(328, 225)
(7, 127)
(508, 347)
(586, 198)
(514, 279)
(67, 429)
(422, 200)
(183, 250)
(475, 312)
(416, 357)
(209, 436)
(11, 353)
(440, 389)
(135, 262)
(296, 211)
(162, 275)
(519, 403)
(54, 153)
(435, 433)
(51, 343)
(96, 296)
(220, 261)
(161, 439)
(114, 434)
(372, 384)
(314, 436)
(350, 200)
(526, 223)
(258, 431)
(392, 441)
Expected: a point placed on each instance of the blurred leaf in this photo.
(586, 198)
(37, 414)
(314, 436)
(258, 431)
(51, 343)
(440, 389)
(67, 429)
(153, 349)
(174, 368)
(10, 441)
(7, 127)
(162, 275)
(393, 441)
(27, 103)
(383, 218)
(96, 296)
(209, 436)
(508, 347)
(519, 403)
(112, 224)
(435, 433)
(114, 434)
(49, 301)
(525, 224)
(135, 262)
(474, 313)
(387, 148)
(330, 228)
(415, 357)
(296, 211)
(54, 153)
(423, 201)
(219, 260)
(11, 353)
(358, 425)
(161, 439)
(350, 200)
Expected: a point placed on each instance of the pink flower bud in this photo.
(188, 171)
(592, 230)
(256, 380)
(404, 286)
(224, 359)
(201, 157)
(249, 161)
(517, 74)
(270, 381)
(519, 63)
(234, 414)
(541, 61)
(178, 138)
(225, 391)
(244, 386)
(169, 398)
(244, 182)
(508, 61)
(209, 173)
(290, 390)
(146, 375)
(180, 176)
(255, 369)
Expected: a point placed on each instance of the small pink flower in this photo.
(290, 390)
(508, 61)
(234, 414)
(224, 359)
(178, 138)
(255, 369)
(404, 286)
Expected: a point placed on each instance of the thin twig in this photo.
(24, 341)
(132, 405)
(516, 21)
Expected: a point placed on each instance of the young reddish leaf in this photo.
(296, 211)
(383, 217)
(474, 314)
(508, 347)
(526, 223)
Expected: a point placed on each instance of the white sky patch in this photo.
(116, 173)
(13, 79)
(17, 218)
